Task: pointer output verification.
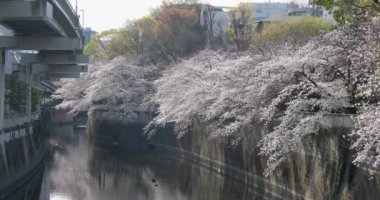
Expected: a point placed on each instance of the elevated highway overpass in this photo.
(51, 29)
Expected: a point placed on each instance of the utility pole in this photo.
(82, 18)
(2, 89)
(76, 7)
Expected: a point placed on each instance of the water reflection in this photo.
(83, 169)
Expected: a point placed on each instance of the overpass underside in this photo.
(47, 37)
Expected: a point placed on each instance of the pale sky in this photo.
(103, 15)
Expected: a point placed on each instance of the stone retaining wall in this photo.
(22, 149)
(323, 170)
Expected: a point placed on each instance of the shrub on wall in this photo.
(17, 93)
(37, 97)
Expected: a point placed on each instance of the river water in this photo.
(80, 168)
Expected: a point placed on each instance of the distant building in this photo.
(220, 17)
(296, 12)
(87, 33)
(328, 17)
(316, 10)
(283, 11)
(271, 11)
(263, 11)
(220, 20)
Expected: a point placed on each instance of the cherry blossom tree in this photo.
(290, 93)
(118, 88)
(367, 135)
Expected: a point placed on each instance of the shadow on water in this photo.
(84, 169)
(31, 190)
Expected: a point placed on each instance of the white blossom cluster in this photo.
(230, 92)
(119, 88)
(367, 134)
(367, 143)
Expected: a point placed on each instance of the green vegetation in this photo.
(241, 26)
(171, 31)
(17, 93)
(174, 31)
(135, 39)
(37, 97)
(350, 11)
(293, 33)
(99, 47)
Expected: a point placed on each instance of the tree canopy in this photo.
(170, 32)
(350, 11)
(241, 25)
(179, 32)
(99, 48)
(292, 33)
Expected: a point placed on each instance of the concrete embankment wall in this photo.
(323, 170)
(22, 149)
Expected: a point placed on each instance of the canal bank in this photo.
(323, 170)
(23, 149)
(96, 168)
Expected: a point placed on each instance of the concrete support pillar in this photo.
(2, 106)
(2, 89)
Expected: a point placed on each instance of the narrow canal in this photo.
(83, 169)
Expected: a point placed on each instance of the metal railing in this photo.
(19, 119)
